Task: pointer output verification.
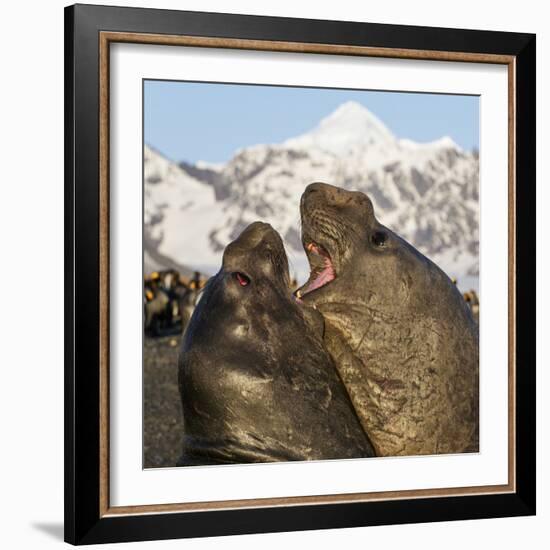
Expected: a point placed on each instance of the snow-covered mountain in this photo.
(426, 192)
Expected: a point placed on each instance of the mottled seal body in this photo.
(399, 331)
(256, 382)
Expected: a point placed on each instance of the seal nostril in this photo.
(307, 195)
(242, 278)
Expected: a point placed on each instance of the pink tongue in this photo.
(323, 278)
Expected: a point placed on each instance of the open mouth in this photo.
(322, 269)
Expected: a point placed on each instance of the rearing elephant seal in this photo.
(256, 383)
(400, 333)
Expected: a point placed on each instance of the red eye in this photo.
(243, 279)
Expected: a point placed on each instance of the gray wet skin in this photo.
(256, 382)
(400, 333)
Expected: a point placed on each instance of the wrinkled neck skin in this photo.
(406, 347)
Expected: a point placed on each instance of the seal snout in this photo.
(257, 252)
(255, 233)
(314, 192)
(319, 194)
(333, 221)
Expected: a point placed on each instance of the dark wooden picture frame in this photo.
(89, 31)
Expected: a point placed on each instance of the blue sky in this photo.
(203, 121)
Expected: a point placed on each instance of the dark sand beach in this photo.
(163, 422)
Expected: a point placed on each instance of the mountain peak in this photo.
(348, 127)
(352, 109)
(444, 142)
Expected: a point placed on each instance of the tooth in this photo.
(298, 293)
(314, 306)
(310, 246)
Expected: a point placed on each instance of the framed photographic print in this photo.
(299, 274)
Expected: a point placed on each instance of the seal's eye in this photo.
(379, 238)
(242, 278)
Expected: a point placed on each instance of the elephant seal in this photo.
(256, 383)
(400, 333)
